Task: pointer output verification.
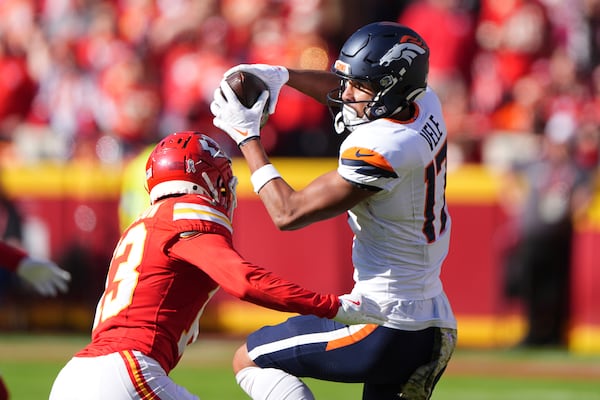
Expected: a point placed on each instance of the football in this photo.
(247, 88)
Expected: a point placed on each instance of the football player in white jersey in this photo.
(390, 180)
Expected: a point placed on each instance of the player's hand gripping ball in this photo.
(247, 88)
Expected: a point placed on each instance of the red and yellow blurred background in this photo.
(86, 86)
(72, 212)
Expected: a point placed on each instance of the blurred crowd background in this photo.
(98, 81)
(101, 79)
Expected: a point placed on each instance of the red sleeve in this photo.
(246, 281)
(11, 256)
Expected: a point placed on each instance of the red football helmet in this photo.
(191, 162)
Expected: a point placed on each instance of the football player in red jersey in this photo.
(166, 267)
(43, 275)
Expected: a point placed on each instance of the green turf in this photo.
(490, 388)
(29, 364)
(30, 380)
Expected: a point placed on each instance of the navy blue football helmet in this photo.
(392, 59)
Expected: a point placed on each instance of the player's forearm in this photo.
(10, 256)
(214, 255)
(281, 201)
(273, 292)
(313, 83)
(255, 154)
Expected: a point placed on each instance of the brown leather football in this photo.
(248, 87)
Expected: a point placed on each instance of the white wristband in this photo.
(264, 174)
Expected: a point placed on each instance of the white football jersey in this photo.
(402, 232)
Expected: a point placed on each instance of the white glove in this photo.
(45, 276)
(240, 123)
(357, 309)
(275, 76)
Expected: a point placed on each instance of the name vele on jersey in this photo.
(431, 132)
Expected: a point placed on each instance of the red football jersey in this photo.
(166, 267)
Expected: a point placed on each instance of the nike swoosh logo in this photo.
(243, 133)
(359, 154)
(355, 302)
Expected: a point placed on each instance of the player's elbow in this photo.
(290, 223)
(295, 219)
(285, 224)
(285, 218)
(243, 292)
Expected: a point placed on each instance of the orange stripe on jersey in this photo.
(367, 156)
(137, 378)
(352, 338)
(190, 213)
(201, 212)
(408, 121)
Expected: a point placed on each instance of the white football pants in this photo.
(124, 375)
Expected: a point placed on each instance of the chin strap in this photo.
(338, 123)
(347, 119)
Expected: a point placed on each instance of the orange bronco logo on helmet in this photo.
(407, 49)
